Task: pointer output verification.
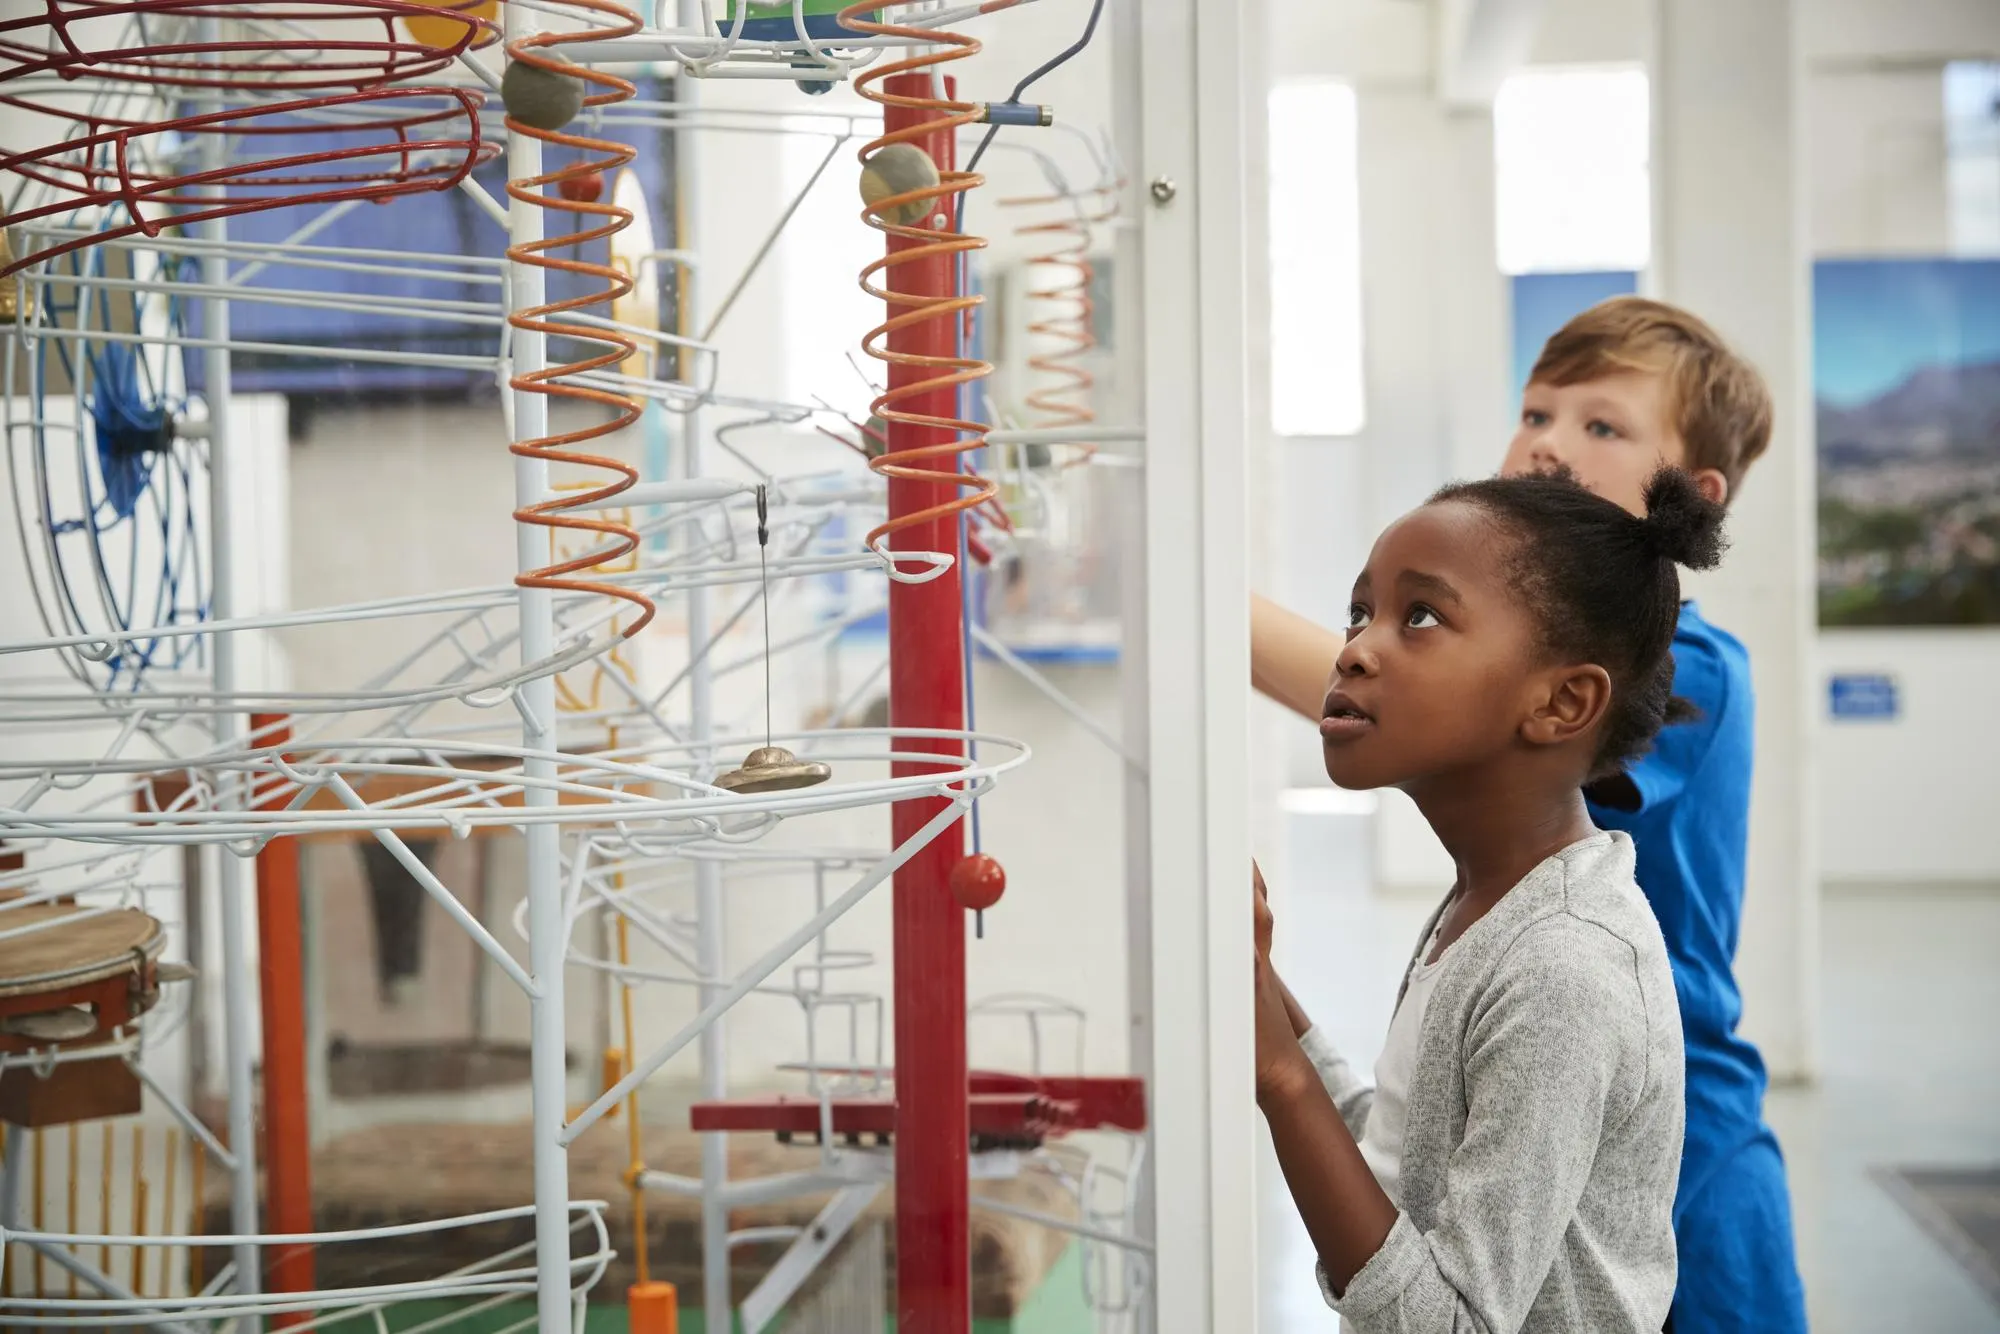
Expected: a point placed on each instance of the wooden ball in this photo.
(898, 169)
(539, 98)
(977, 882)
(585, 189)
(445, 30)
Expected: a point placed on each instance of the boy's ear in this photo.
(1714, 487)
(1577, 699)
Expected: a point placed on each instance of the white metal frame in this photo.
(1183, 104)
(1182, 112)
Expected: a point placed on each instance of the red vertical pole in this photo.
(281, 983)
(927, 689)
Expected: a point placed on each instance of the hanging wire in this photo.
(764, 594)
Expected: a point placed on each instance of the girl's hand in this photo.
(1261, 912)
(1262, 926)
(1281, 1062)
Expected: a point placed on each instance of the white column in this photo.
(1435, 346)
(236, 874)
(548, 937)
(1128, 404)
(1730, 243)
(1197, 99)
(711, 937)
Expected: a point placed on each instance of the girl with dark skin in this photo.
(1452, 687)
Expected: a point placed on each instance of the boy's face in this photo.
(1613, 432)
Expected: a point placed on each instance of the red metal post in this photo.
(927, 689)
(281, 978)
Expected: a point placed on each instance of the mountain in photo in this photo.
(1939, 412)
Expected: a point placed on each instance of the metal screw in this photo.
(1163, 190)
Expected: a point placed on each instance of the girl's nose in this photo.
(1356, 658)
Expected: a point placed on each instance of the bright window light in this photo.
(823, 249)
(1316, 378)
(1570, 149)
(1972, 155)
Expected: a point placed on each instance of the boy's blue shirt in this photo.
(1691, 830)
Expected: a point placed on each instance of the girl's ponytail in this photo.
(1681, 524)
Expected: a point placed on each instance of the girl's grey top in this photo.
(1543, 1139)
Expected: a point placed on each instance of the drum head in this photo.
(54, 946)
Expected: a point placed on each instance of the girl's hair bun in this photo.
(1681, 524)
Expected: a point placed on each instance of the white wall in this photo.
(1911, 799)
(1878, 176)
(1905, 799)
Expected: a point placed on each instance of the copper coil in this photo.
(919, 464)
(558, 381)
(238, 65)
(1066, 312)
(94, 166)
(80, 187)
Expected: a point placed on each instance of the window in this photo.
(1570, 149)
(821, 255)
(1316, 380)
(1972, 155)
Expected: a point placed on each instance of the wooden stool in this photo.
(76, 978)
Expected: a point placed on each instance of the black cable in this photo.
(1054, 62)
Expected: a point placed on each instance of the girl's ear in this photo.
(1576, 701)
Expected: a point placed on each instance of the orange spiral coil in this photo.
(1061, 392)
(922, 463)
(559, 381)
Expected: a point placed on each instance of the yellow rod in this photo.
(138, 1208)
(167, 1208)
(36, 1215)
(104, 1201)
(632, 1135)
(75, 1191)
(197, 1209)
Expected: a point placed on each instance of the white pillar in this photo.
(1198, 95)
(548, 934)
(1435, 345)
(1730, 243)
(711, 936)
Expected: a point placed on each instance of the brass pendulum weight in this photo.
(770, 768)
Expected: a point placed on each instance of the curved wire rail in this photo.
(641, 793)
(493, 1277)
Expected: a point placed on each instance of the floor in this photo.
(1911, 1076)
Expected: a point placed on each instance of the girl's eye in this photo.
(1603, 430)
(1357, 617)
(1535, 417)
(1422, 618)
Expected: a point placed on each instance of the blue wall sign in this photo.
(1863, 695)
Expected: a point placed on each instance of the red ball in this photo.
(585, 189)
(977, 882)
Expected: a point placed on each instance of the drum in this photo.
(72, 975)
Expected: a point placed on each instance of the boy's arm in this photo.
(1290, 657)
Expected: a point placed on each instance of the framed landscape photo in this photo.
(1906, 380)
